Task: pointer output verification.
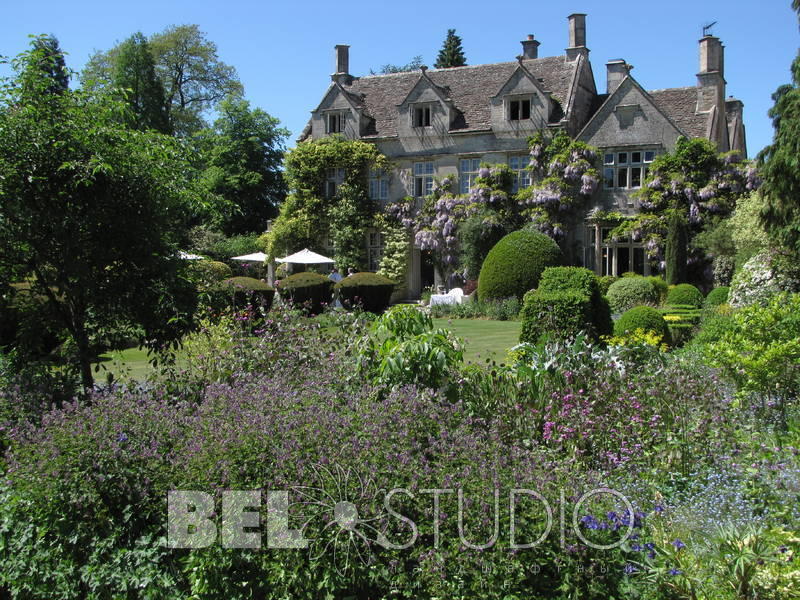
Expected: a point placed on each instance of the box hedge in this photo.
(515, 264)
(248, 291)
(646, 318)
(717, 296)
(370, 291)
(562, 313)
(685, 293)
(628, 292)
(311, 290)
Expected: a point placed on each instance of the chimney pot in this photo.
(342, 59)
(530, 47)
(616, 71)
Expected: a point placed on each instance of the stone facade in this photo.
(435, 123)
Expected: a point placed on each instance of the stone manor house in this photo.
(445, 122)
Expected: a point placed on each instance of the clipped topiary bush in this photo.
(717, 296)
(584, 281)
(605, 282)
(557, 314)
(662, 289)
(310, 289)
(248, 291)
(628, 292)
(370, 291)
(515, 264)
(646, 318)
(685, 294)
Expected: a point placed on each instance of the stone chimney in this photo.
(577, 36)
(530, 47)
(711, 86)
(342, 59)
(616, 71)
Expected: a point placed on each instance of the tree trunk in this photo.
(84, 357)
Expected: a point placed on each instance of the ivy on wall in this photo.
(307, 215)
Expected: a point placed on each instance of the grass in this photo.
(484, 339)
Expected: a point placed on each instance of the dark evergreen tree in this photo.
(451, 54)
(46, 64)
(676, 250)
(780, 163)
(135, 73)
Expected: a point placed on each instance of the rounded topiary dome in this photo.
(646, 318)
(717, 296)
(628, 292)
(515, 264)
(685, 293)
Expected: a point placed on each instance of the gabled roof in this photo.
(470, 89)
(680, 105)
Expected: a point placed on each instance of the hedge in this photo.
(642, 317)
(310, 289)
(515, 264)
(717, 296)
(628, 292)
(248, 291)
(370, 291)
(585, 282)
(561, 313)
(685, 293)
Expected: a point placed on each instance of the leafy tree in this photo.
(242, 157)
(48, 61)
(451, 54)
(134, 71)
(684, 193)
(414, 65)
(186, 62)
(780, 163)
(194, 77)
(90, 211)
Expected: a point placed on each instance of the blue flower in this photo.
(629, 569)
(121, 438)
(678, 544)
(675, 571)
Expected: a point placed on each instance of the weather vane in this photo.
(707, 28)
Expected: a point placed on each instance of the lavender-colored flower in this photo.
(707, 192)
(484, 172)
(678, 544)
(675, 571)
(630, 569)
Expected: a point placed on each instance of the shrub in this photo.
(312, 289)
(685, 293)
(662, 289)
(585, 282)
(717, 296)
(646, 318)
(369, 290)
(628, 292)
(208, 272)
(605, 282)
(561, 314)
(763, 276)
(515, 264)
(248, 291)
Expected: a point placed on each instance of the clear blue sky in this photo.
(283, 51)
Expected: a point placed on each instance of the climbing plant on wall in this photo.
(314, 207)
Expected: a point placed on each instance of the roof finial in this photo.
(707, 29)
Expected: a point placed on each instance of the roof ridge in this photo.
(452, 69)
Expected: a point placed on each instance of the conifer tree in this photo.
(451, 54)
(135, 72)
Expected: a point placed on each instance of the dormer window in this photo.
(334, 122)
(519, 109)
(421, 116)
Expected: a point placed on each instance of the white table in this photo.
(443, 299)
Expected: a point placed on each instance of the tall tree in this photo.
(243, 153)
(47, 65)
(780, 163)
(194, 78)
(134, 72)
(451, 54)
(89, 212)
(186, 62)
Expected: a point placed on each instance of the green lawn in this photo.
(484, 339)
